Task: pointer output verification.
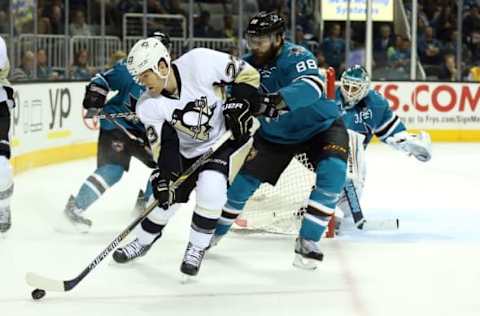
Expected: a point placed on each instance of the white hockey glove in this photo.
(420, 146)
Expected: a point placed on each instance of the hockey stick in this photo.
(95, 113)
(44, 283)
(357, 213)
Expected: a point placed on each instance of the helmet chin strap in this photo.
(157, 71)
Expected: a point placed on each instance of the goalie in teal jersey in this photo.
(366, 113)
(307, 123)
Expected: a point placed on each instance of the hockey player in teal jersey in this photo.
(366, 113)
(118, 141)
(308, 122)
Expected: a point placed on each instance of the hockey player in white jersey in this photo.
(6, 106)
(185, 113)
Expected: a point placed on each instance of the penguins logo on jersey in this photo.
(194, 119)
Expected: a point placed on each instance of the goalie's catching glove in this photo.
(420, 146)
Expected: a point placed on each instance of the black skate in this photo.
(307, 254)
(130, 251)
(192, 260)
(5, 219)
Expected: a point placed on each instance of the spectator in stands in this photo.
(44, 71)
(429, 48)
(381, 45)
(272, 5)
(448, 71)
(78, 27)
(25, 70)
(57, 20)
(321, 61)
(471, 31)
(80, 69)
(450, 47)
(173, 7)
(474, 72)
(334, 47)
(23, 16)
(155, 6)
(202, 27)
(228, 29)
(44, 26)
(128, 6)
(300, 37)
(4, 27)
(446, 23)
(116, 57)
(399, 55)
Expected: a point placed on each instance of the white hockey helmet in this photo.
(354, 84)
(146, 54)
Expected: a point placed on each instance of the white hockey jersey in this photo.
(197, 113)
(4, 69)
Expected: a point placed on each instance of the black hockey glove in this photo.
(238, 118)
(162, 190)
(95, 96)
(268, 105)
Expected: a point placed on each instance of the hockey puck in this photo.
(38, 294)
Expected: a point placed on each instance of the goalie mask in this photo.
(354, 85)
(145, 55)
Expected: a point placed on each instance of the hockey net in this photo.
(280, 208)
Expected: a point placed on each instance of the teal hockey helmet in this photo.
(354, 85)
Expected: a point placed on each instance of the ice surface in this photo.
(431, 266)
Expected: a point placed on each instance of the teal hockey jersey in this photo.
(371, 116)
(295, 75)
(128, 91)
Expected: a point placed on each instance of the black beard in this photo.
(268, 57)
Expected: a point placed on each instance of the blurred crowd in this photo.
(436, 38)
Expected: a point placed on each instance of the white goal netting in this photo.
(279, 208)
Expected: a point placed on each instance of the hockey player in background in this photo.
(366, 113)
(185, 113)
(7, 104)
(310, 123)
(119, 140)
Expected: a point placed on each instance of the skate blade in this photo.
(304, 263)
(187, 279)
(64, 226)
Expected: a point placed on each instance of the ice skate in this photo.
(73, 217)
(5, 219)
(130, 251)
(192, 260)
(307, 254)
